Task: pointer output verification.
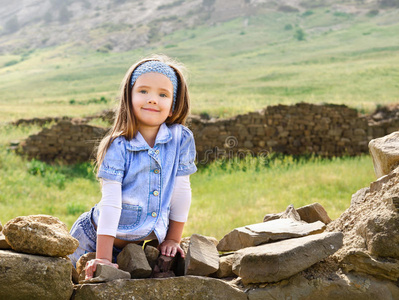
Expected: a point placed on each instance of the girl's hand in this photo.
(91, 266)
(170, 248)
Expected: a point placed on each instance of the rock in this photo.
(185, 287)
(359, 196)
(377, 185)
(202, 256)
(166, 263)
(257, 234)
(225, 266)
(75, 275)
(362, 262)
(385, 153)
(313, 212)
(26, 276)
(3, 243)
(152, 254)
(132, 259)
(371, 224)
(81, 264)
(106, 273)
(335, 286)
(40, 234)
(289, 213)
(280, 260)
(167, 274)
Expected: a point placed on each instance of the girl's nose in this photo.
(152, 99)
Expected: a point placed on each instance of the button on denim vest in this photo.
(147, 176)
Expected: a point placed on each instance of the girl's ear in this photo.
(170, 112)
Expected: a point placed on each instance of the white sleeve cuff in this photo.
(110, 208)
(181, 199)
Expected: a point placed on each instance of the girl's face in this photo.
(152, 98)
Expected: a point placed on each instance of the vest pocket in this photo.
(130, 216)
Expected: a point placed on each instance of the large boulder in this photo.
(26, 276)
(261, 233)
(385, 153)
(371, 223)
(331, 286)
(40, 234)
(185, 287)
(276, 261)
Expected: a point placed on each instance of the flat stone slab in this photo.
(261, 233)
(276, 261)
(106, 273)
(185, 287)
(27, 276)
(385, 153)
(362, 262)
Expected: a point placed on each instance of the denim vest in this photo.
(148, 177)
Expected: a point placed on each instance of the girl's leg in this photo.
(84, 231)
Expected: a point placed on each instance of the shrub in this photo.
(299, 34)
(307, 13)
(11, 63)
(288, 27)
(373, 13)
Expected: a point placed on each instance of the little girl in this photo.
(144, 165)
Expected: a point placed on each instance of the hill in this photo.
(242, 55)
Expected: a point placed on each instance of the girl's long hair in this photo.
(125, 123)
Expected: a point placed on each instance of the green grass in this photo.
(234, 68)
(226, 194)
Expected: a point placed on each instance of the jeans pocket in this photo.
(130, 216)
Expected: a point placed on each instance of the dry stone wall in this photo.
(326, 130)
(68, 140)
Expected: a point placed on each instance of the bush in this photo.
(299, 34)
(373, 13)
(307, 13)
(11, 63)
(288, 27)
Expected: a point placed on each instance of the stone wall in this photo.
(325, 130)
(67, 140)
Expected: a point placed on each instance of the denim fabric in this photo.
(83, 230)
(148, 176)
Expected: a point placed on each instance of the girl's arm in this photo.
(171, 245)
(110, 210)
(179, 208)
(105, 244)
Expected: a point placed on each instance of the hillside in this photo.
(241, 55)
(122, 25)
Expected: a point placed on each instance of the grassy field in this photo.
(226, 194)
(235, 67)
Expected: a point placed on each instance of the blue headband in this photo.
(154, 66)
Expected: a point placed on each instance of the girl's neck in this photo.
(149, 134)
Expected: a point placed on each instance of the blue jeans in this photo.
(83, 230)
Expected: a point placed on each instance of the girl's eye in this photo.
(143, 92)
(163, 95)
